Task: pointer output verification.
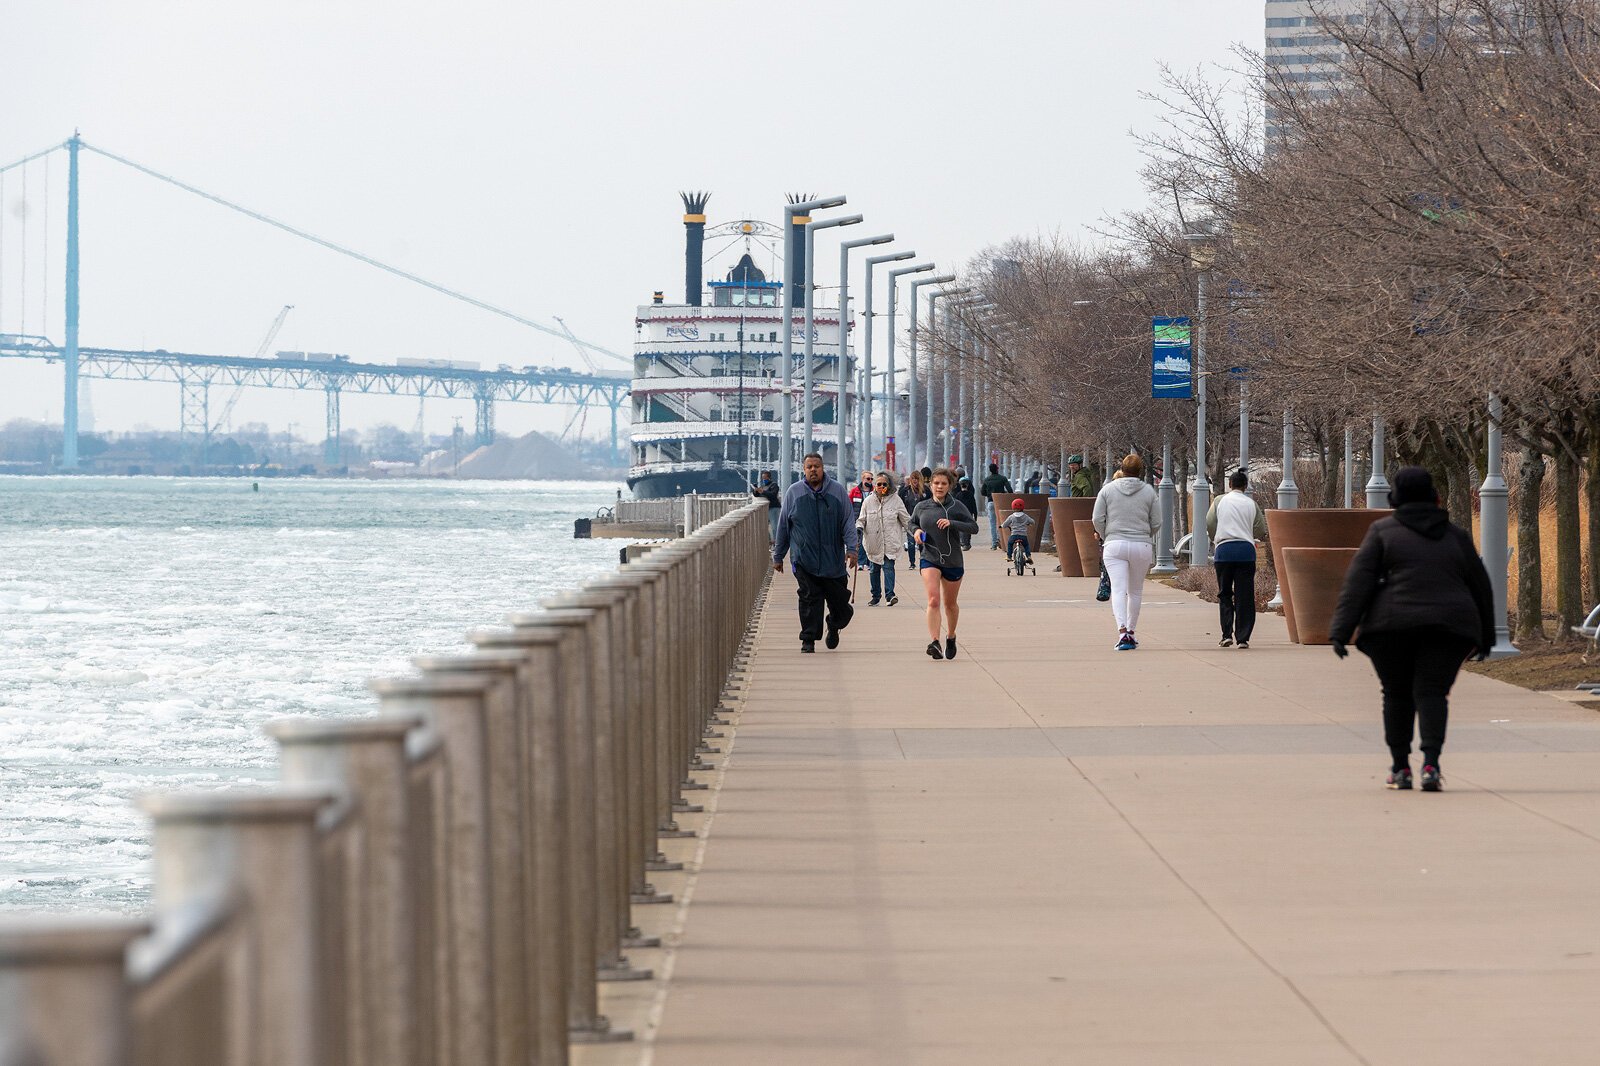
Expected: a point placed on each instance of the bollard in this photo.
(63, 997)
(257, 848)
(454, 706)
(366, 759)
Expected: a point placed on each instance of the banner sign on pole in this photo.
(1171, 368)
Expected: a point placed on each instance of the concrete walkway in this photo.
(1051, 852)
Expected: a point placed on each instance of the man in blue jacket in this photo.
(816, 524)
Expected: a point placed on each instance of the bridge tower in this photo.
(69, 358)
(194, 413)
(483, 400)
(330, 446)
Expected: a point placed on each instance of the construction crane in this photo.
(261, 353)
(576, 343)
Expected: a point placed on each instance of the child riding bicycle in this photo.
(1017, 523)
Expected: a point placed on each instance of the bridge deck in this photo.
(1050, 852)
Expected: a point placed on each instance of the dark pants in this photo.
(1417, 668)
(1236, 598)
(883, 577)
(815, 592)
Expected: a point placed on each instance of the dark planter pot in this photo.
(1316, 575)
(1033, 504)
(1064, 511)
(1088, 547)
(1314, 527)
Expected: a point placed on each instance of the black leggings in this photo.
(1417, 668)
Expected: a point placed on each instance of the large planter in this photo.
(1033, 504)
(1088, 546)
(1314, 527)
(1064, 511)
(1316, 575)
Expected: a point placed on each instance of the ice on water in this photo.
(150, 626)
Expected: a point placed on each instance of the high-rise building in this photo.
(1300, 52)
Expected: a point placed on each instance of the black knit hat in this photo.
(1412, 484)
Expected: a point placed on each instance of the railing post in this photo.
(64, 997)
(260, 849)
(366, 758)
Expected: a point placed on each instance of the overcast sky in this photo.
(530, 153)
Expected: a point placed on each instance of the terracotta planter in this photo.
(1033, 503)
(1088, 547)
(1064, 511)
(1316, 575)
(1314, 527)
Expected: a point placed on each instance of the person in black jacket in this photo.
(969, 500)
(1421, 597)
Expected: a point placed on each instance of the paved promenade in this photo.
(1051, 852)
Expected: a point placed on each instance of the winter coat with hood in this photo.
(1416, 571)
(1127, 509)
(883, 523)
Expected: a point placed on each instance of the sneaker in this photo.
(1432, 779)
(1244, 645)
(949, 647)
(832, 638)
(1125, 644)
(1225, 642)
(893, 599)
(933, 650)
(808, 646)
(1400, 779)
(873, 602)
(1132, 643)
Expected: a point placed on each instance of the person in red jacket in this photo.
(1421, 597)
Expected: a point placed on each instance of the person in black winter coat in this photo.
(1420, 595)
(969, 499)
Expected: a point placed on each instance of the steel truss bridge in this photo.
(196, 374)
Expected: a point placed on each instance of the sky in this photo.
(530, 154)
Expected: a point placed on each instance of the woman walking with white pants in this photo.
(1127, 517)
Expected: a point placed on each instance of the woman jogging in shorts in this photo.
(937, 524)
(1127, 518)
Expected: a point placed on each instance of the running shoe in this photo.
(893, 599)
(808, 646)
(873, 602)
(933, 650)
(1125, 644)
(1244, 645)
(1225, 642)
(831, 639)
(1132, 643)
(949, 647)
(1432, 779)
(1400, 779)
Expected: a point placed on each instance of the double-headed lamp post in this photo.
(810, 328)
(792, 215)
(911, 368)
(933, 298)
(866, 374)
(890, 415)
(1203, 254)
(973, 308)
(840, 405)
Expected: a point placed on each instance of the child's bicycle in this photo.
(1021, 559)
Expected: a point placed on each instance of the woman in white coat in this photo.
(883, 524)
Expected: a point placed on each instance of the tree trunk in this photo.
(1569, 558)
(1530, 575)
(1591, 485)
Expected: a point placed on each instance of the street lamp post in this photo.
(1202, 252)
(844, 342)
(866, 413)
(1496, 519)
(891, 391)
(792, 215)
(911, 368)
(1377, 484)
(933, 298)
(810, 327)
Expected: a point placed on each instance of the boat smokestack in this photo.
(795, 268)
(694, 244)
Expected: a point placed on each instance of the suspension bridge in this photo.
(334, 375)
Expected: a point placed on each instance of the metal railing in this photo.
(444, 883)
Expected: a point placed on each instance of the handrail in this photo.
(445, 882)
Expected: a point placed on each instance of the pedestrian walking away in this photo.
(937, 524)
(816, 528)
(1017, 523)
(1127, 517)
(1237, 525)
(884, 524)
(969, 500)
(1420, 596)
(769, 492)
(995, 482)
(913, 492)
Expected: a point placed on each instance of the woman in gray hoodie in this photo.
(1127, 518)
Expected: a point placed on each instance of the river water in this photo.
(149, 626)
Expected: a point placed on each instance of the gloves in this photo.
(1339, 649)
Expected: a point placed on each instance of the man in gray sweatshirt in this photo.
(817, 525)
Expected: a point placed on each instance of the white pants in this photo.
(1127, 562)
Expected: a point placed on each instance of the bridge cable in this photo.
(30, 158)
(368, 260)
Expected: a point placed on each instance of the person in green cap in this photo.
(1079, 483)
